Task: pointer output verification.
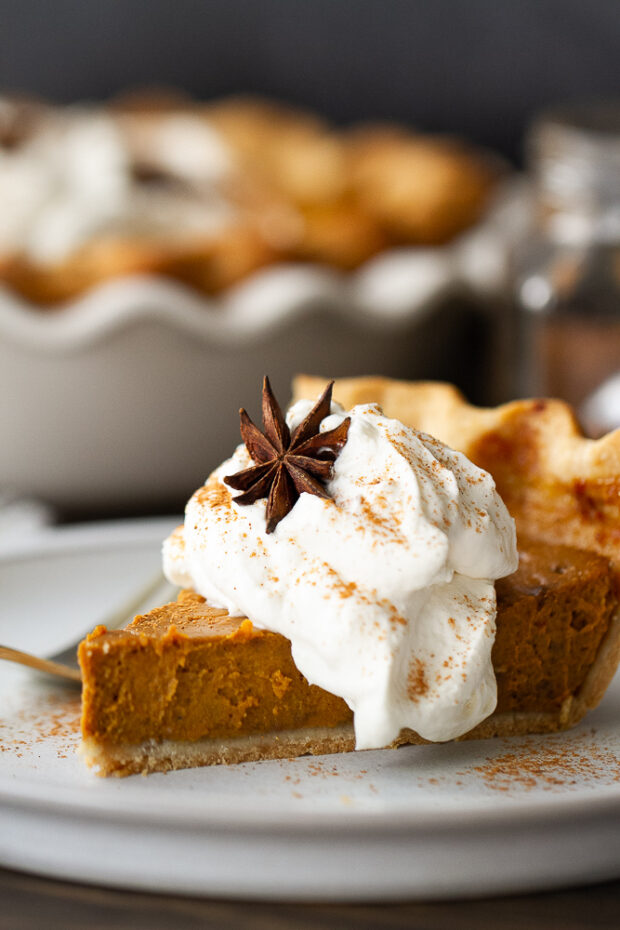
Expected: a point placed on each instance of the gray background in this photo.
(477, 67)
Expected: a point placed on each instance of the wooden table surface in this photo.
(31, 903)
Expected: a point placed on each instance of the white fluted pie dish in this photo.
(127, 397)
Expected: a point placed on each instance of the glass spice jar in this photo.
(568, 274)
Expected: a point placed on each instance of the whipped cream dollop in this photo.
(75, 181)
(385, 592)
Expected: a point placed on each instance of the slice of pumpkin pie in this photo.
(378, 568)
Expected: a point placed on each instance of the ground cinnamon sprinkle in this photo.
(417, 684)
(322, 770)
(386, 523)
(552, 763)
(396, 619)
(348, 589)
(214, 494)
(54, 716)
(343, 589)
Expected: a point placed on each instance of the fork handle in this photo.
(42, 665)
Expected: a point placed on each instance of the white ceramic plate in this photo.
(423, 822)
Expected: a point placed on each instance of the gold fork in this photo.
(41, 665)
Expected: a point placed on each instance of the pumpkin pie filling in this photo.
(186, 683)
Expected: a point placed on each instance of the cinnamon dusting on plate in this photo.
(47, 717)
(550, 764)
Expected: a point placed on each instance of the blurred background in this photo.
(124, 359)
(480, 69)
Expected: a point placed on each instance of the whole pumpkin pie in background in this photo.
(210, 193)
(189, 684)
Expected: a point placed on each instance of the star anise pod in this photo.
(286, 465)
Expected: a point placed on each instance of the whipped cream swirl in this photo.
(385, 592)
